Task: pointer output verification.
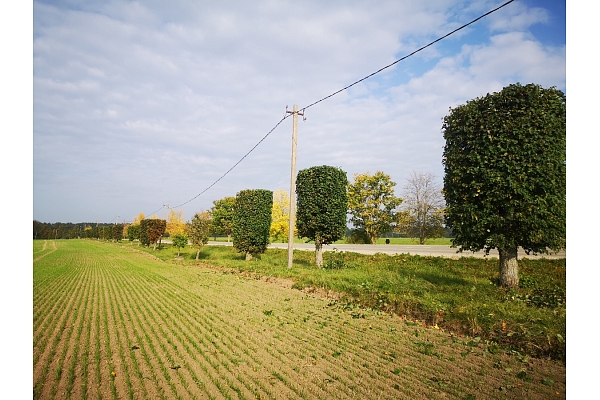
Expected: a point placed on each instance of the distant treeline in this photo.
(96, 230)
(69, 230)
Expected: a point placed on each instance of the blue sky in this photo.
(138, 104)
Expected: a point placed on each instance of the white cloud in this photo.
(156, 101)
(519, 18)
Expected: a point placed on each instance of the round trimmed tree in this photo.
(151, 231)
(505, 174)
(252, 221)
(322, 206)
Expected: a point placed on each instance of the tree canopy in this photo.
(372, 203)
(252, 221)
(176, 223)
(179, 240)
(505, 173)
(199, 230)
(222, 216)
(133, 232)
(322, 205)
(152, 230)
(117, 232)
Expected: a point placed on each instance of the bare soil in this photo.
(116, 324)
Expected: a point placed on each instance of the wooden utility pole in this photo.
(295, 114)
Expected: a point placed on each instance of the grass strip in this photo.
(459, 295)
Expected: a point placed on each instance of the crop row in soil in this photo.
(111, 323)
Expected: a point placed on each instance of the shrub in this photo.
(252, 221)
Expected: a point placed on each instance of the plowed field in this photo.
(112, 323)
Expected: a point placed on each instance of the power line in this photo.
(335, 93)
(236, 164)
(405, 57)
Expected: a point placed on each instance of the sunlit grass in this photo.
(456, 294)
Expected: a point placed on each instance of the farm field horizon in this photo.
(112, 321)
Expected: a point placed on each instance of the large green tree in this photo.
(222, 216)
(133, 232)
(505, 174)
(372, 204)
(322, 205)
(252, 221)
(117, 232)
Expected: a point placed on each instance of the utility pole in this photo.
(295, 114)
(165, 206)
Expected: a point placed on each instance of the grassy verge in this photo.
(458, 295)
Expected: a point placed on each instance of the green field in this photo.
(112, 321)
(460, 295)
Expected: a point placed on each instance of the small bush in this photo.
(358, 236)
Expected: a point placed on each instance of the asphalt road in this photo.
(424, 250)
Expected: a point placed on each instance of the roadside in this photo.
(391, 249)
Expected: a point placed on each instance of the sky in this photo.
(141, 106)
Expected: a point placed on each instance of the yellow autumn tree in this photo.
(176, 223)
(138, 218)
(280, 217)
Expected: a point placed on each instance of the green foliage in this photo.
(252, 221)
(358, 236)
(322, 204)
(505, 170)
(456, 294)
(336, 260)
(540, 297)
(371, 203)
(179, 241)
(199, 229)
(60, 230)
(222, 216)
(133, 232)
(144, 233)
(117, 232)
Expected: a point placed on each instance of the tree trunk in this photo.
(318, 253)
(509, 268)
(198, 254)
(248, 256)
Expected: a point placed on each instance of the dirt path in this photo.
(54, 248)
